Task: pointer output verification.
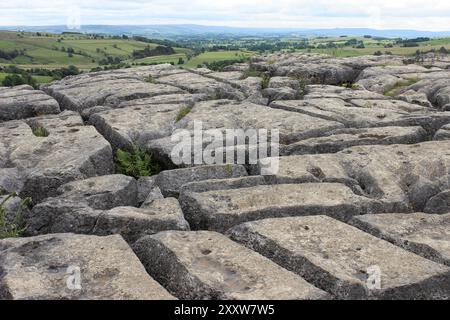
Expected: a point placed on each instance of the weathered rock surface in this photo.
(343, 138)
(399, 178)
(46, 267)
(443, 133)
(219, 210)
(147, 188)
(196, 83)
(105, 192)
(130, 126)
(370, 115)
(171, 181)
(109, 88)
(207, 265)
(25, 102)
(59, 215)
(103, 206)
(342, 259)
(69, 151)
(358, 136)
(439, 203)
(427, 235)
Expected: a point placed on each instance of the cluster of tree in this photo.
(355, 43)
(379, 53)
(161, 42)
(18, 76)
(10, 55)
(148, 52)
(120, 65)
(409, 43)
(110, 60)
(12, 80)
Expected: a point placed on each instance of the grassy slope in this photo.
(45, 51)
(215, 56)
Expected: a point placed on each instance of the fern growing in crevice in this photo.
(137, 163)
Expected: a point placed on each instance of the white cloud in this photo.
(404, 14)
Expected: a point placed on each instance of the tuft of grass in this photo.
(14, 228)
(183, 113)
(392, 91)
(229, 168)
(136, 163)
(40, 132)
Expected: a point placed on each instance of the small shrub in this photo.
(14, 228)
(183, 113)
(265, 81)
(136, 164)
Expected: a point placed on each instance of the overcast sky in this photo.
(380, 14)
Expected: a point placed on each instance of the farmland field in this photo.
(86, 52)
(217, 56)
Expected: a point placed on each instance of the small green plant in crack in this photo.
(353, 86)
(251, 73)
(136, 163)
(265, 79)
(12, 228)
(183, 113)
(40, 131)
(150, 79)
(229, 168)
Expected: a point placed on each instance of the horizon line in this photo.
(225, 26)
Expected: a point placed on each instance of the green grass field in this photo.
(373, 45)
(216, 56)
(39, 79)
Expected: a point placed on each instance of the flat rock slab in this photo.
(402, 177)
(427, 235)
(134, 223)
(208, 265)
(368, 115)
(326, 91)
(104, 192)
(109, 88)
(219, 210)
(46, 267)
(171, 181)
(62, 215)
(225, 114)
(136, 125)
(343, 260)
(25, 102)
(345, 138)
(196, 83)
(68, 152)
